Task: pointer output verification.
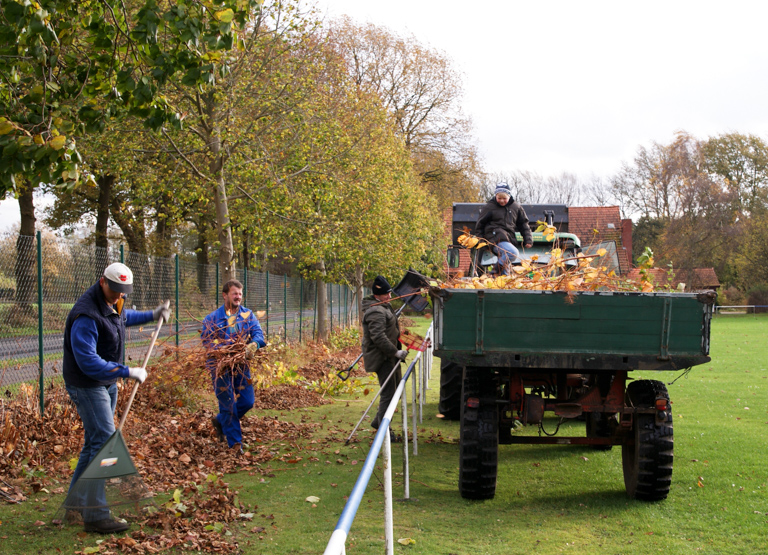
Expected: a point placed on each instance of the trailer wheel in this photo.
(450, 390)
(648, 452)
(479, 435)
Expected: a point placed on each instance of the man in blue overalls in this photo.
(233, 387)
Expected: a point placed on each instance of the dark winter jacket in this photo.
(381, 332)
(498, 223)
(94, 335)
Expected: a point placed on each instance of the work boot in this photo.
(106, 526)
(217, 427)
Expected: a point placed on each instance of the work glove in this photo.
(250, 350)
(401, 354)
(137, 373)
(162, 311)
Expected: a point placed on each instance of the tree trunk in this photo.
(105, 183)
(24, 270)
(132, 226)
(201, 253)
(226, 248)
(323, 333)
(357, 283)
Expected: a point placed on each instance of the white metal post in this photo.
(389, 532)
(406, 481)
(416, 406)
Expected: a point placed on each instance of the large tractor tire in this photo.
(450, 390)
(648, 452)
(479, 435)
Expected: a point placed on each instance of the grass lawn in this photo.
(549, 500)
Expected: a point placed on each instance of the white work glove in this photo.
(161, 311)
(250, 350)
(137, 373)
(401, 354)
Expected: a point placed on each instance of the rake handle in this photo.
(136, 385)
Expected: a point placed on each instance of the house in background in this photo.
(602, 227)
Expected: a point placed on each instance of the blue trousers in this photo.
(507, 253)
(235, 394)
(96, 407)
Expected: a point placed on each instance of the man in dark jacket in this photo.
(381, 345)
(499, 219)
(94, 336)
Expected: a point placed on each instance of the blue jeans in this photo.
(236, 397)
(96, 407)
(507, 253)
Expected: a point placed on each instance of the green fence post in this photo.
(40, 320)
(301, 305)
(330, 306)
(285, 308)
(314, 316)
(267, 303)
(216, 293)
(177, 302)
(245, 286)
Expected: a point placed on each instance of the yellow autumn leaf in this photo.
(406, 541)
(57, 143)
(601, 252)
(647, 287)
(225, 16)
(5, 128)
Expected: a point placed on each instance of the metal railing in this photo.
(740, 309)
(423, 360)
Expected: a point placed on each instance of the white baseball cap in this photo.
(119, 278)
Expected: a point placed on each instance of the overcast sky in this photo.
(577, 86)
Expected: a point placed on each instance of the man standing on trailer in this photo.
(381, 346)
(94, 337)
(229, 323)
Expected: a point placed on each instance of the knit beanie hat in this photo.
(503, 188)
(380, 286)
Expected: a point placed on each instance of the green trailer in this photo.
(524, 353)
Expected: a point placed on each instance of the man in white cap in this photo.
(94, 336)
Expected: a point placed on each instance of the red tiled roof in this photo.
(595, 224)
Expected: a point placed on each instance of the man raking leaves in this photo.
(94, 337)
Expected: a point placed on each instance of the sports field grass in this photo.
(549, 500)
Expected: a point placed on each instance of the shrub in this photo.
(731, 296)
(758, 296)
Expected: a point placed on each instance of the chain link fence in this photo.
(41, 278)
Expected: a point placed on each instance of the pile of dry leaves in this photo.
(177, 449)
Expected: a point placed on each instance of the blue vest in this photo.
(111, 336)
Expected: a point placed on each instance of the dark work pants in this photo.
(387, 391)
